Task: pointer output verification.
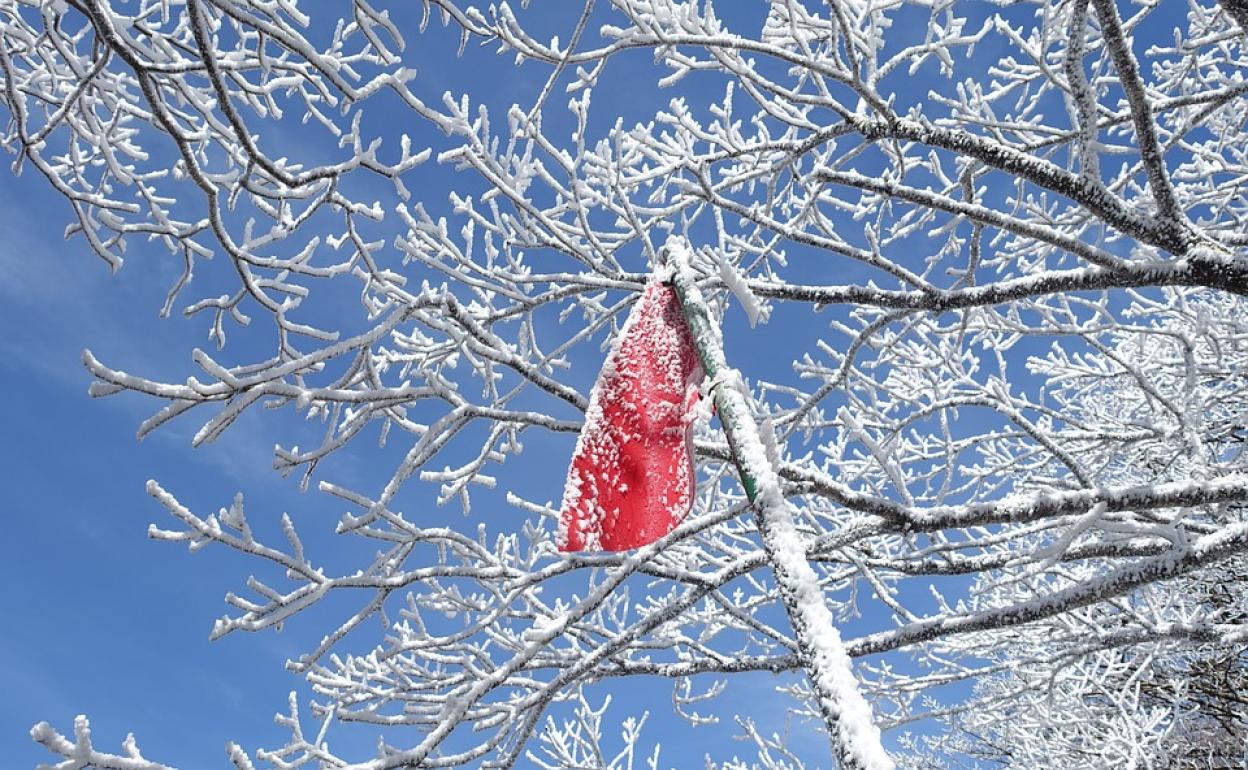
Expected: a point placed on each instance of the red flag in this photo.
(632, 478)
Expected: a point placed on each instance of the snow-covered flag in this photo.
(632, 478)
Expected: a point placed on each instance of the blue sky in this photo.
(114, 625)
(103, 621)
(99, 619)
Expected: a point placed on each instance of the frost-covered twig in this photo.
(80, 753)
(1005, 349)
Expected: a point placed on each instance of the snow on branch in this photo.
(1001, 254)
(80, 752)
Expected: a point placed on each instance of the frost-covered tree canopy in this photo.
(994, 260)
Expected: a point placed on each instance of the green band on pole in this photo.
(704, 336)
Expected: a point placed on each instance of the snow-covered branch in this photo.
(1000, 257)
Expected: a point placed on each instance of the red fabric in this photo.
(632, 478)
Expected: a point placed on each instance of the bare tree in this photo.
(957, 219)
(1177, 701)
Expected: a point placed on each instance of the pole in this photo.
(855, 738)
